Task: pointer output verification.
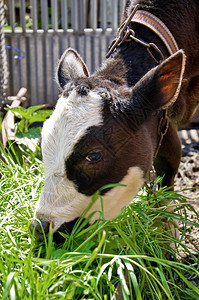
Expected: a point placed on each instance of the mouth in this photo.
(43, 228)
(66, 227)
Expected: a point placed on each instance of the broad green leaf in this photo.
(21, 126)
(19, 111)
(33, 133)
(40, 116)
(30, 110)
(58, 253)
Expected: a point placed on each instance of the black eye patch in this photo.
(82, 149)
(83, 167)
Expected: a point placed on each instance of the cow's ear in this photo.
(71, 66)
(161, 85)
(169, 78)
(157, 89)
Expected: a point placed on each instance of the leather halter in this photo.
(125, 34)
(161, 30)
(155, 24)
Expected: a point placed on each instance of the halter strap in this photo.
(156, 25)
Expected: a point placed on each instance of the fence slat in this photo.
(103, 14)
(74, 15)
(34, 15)
(114, 11)
(122, 2)
(64, 14)
(93, 12)
(54, 15)
(12, 14)
(81, 24)
(23, 15)
(44, 14)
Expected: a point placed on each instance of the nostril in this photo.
(39, 227)
(43, 227)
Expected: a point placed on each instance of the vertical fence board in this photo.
(12, 14)
(103, 12)
(54, 61)
(64, 15)
(34, 76)
(44, 14)
(74, 15)
(87, 54)
(23, 15)
(44, 69)
(13, 66)
(29, 64)
(81, 16)
(122, 2)
(114, 12)
(34, 15)
(54, 16)
(22, 76)
(93, 13)
(40, 66)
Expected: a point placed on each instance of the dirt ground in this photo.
(188, 175)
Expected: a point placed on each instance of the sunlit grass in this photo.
(131, 253)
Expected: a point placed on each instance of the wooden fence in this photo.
(38, 32)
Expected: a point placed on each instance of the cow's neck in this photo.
(181, 18)
(131, 61)
(178, 18)
(136, 58)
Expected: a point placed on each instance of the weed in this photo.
(27, 138)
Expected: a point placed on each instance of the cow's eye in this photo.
(94, 157)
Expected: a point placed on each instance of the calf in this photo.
(106, 126)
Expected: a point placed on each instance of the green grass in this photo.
(130, 252)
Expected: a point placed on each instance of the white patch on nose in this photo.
(120, 196)
(61, 202)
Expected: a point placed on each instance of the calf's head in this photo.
(100, 132)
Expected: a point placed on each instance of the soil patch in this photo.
(188, 175)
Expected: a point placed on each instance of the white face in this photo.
(60, 200)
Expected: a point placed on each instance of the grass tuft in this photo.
(129, 255)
